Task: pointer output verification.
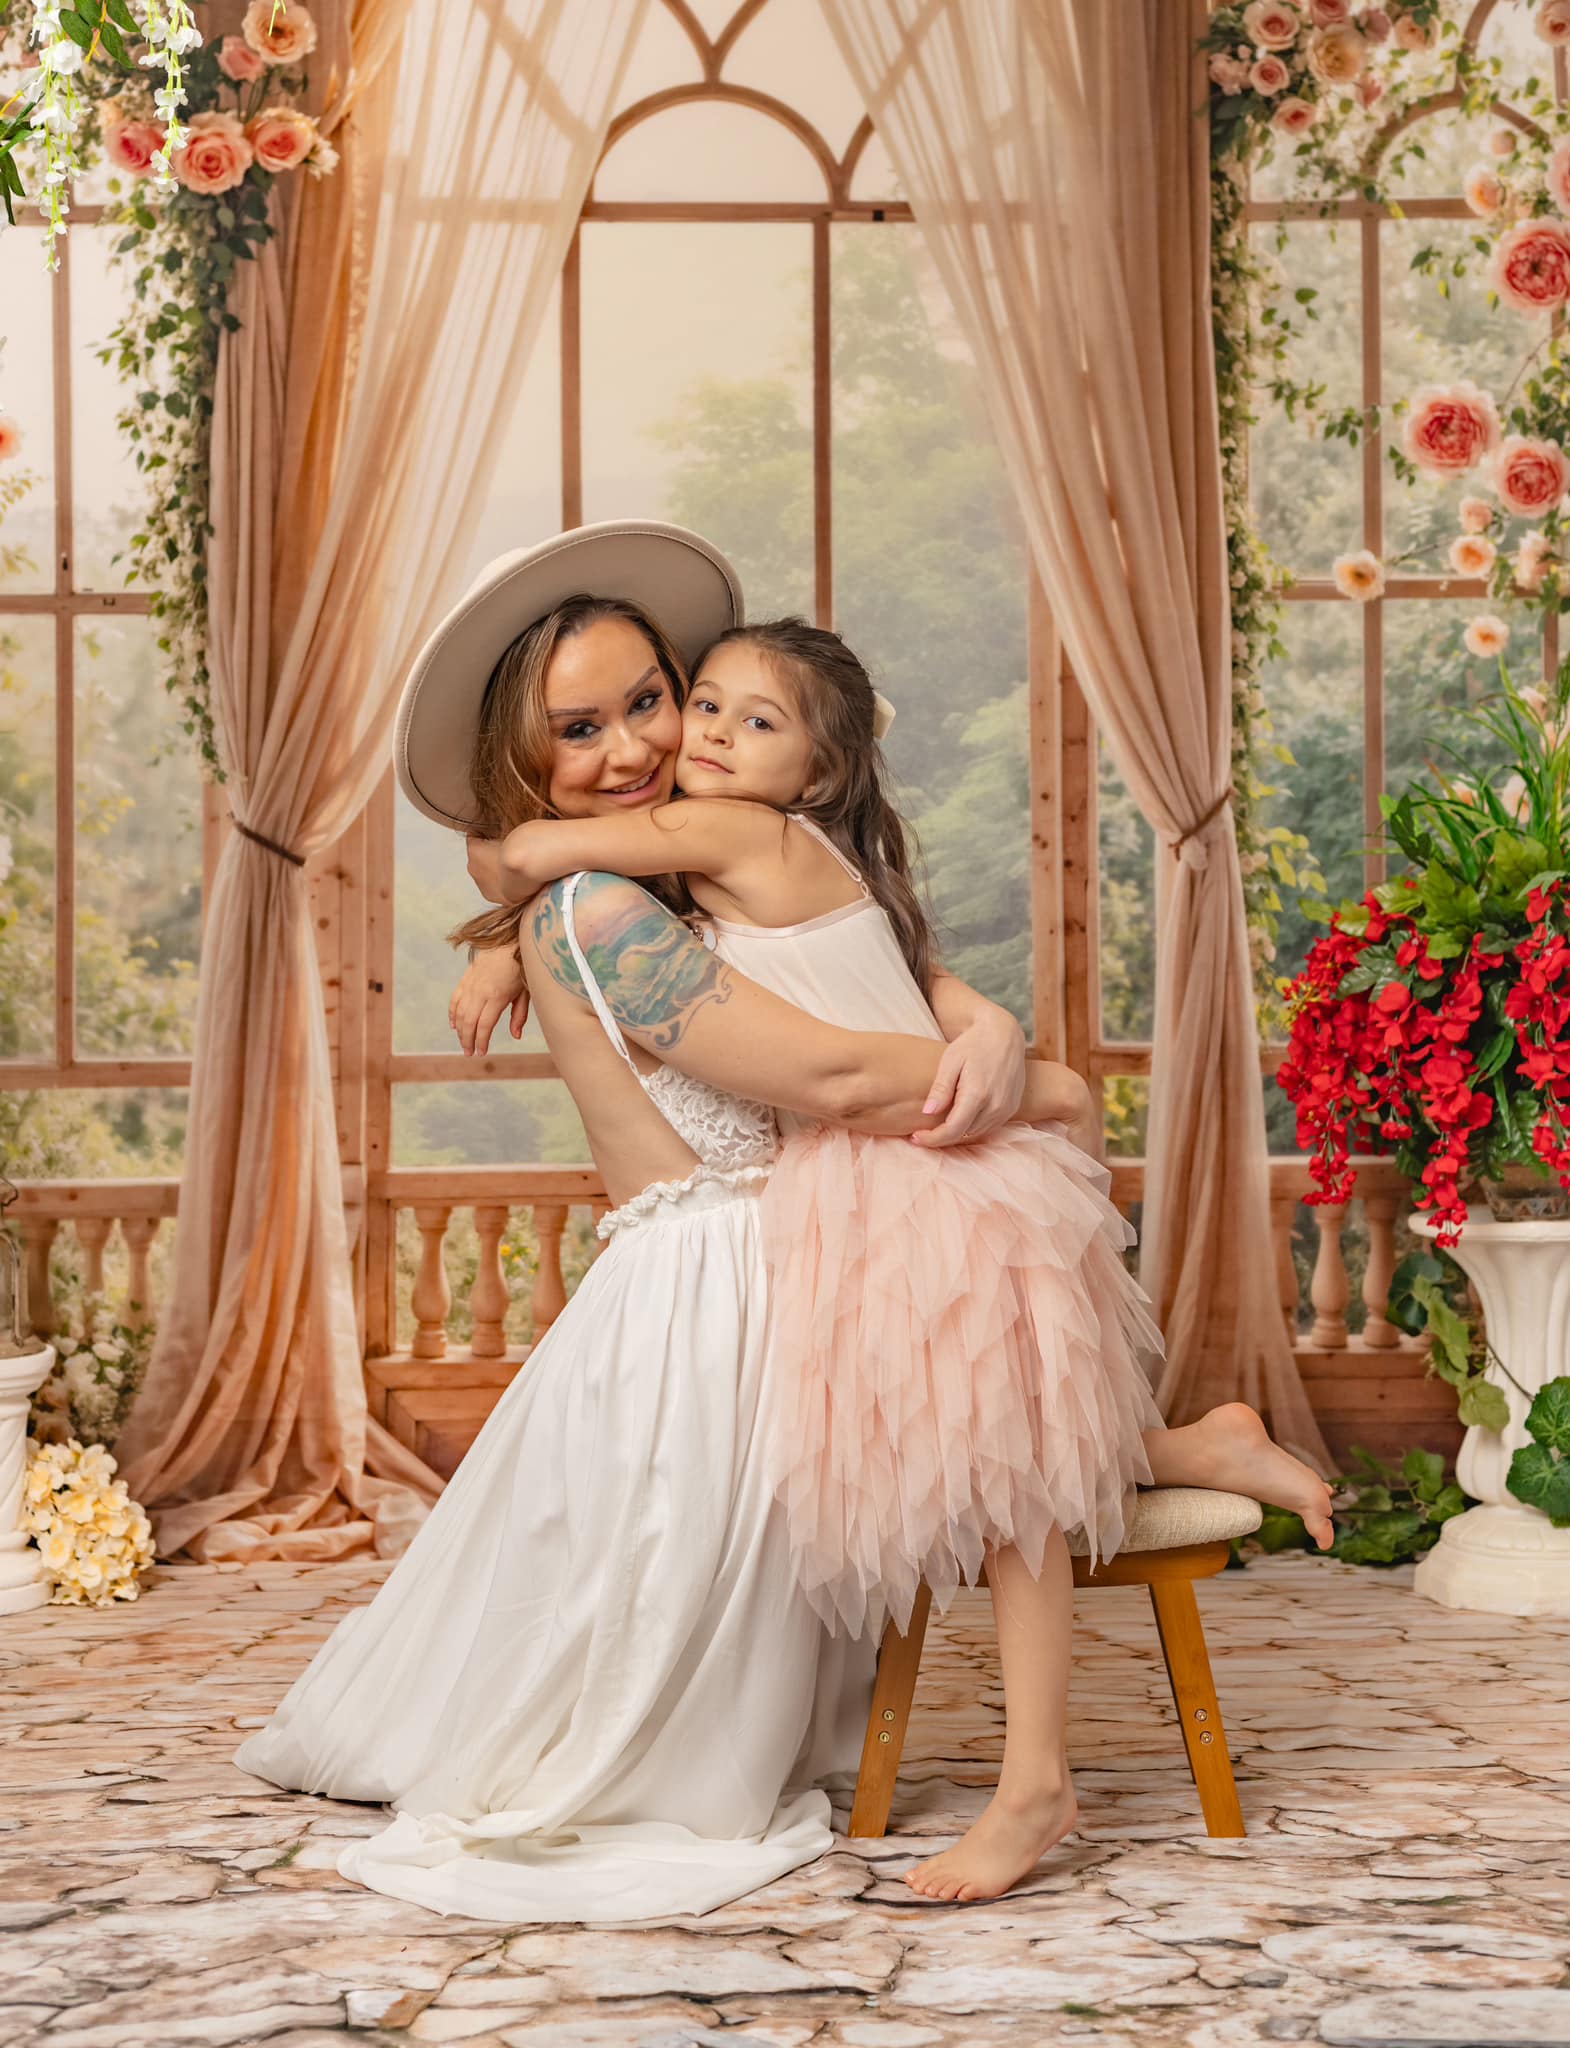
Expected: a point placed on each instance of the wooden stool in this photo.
(1177, 1534)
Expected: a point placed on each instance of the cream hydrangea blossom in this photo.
(96, 1544)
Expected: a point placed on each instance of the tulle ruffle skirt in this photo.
(958, 1360)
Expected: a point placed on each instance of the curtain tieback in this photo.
(272, 845)
(1189, 847)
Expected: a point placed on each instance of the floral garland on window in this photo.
(1321, 80)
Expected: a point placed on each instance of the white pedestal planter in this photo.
(1504, 1557)
(22, 1583)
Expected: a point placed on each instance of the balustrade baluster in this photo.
(1330, 1290)
(92, 1234)
(432, 1297)
(488, 1297)
(550, 1296)
(140, 1234)
(38, 1235)
(1283, 1214)
(1380, 1210)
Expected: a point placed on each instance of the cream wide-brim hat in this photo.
(683, 583)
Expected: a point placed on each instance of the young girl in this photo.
(960, 1339)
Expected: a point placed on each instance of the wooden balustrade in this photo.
(93, 1209)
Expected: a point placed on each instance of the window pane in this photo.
(1433, 340)
(27, 491)
(27, 831)
(1431, 681)
(1308, 490)
(874, 176)
(524, 503)
(930, 590)
(139, 848)
(1126, 877)
(94, 1134)
(708, 425)
(1315, 697)
(485, 1123)
(788, 52)
(662, 56)
(108, 493)
(708, 150)
(1528, 63)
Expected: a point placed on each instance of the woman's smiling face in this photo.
(615, 726)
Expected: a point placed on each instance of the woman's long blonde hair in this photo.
(513, 750)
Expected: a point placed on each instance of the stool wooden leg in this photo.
(1199, 1712)
(898, 1662)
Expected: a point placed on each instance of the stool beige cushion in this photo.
(1167, 1517)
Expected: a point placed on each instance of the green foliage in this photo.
(1540, 1471)
(1389, 1515)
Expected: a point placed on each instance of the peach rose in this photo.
(10, 438)
(1270, 75)
(1271, 24)
(132, 145)
(1530, 477)
(1535, 701)
(1531, 266)
(1552, 22)
(1360, 576)
(1487, 636)
(1449, 428)
(1483, 190)
(1531, 563)
(215, 156)
(1412, 35)
(1472, 555)
(1375, 24)
(279, 39)
(1230, 73)
(282, 137)
(1558, 177)
(1336, 55)
(1502, 142)
(1294, 116)
(237, 60)
(1329, 13)
(1477, 515)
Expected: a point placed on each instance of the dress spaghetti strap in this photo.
(591, 987)
(823, 839)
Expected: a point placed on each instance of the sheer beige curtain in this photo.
(1051, 153)
(354, 435)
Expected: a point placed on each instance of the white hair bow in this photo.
(882, 714)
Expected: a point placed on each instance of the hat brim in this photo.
(682, 582)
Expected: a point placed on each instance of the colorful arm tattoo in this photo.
(654, 975)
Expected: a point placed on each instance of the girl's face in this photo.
(615, 727)
(743, 734)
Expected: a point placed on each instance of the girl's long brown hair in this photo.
(848, 792)
(511, 765)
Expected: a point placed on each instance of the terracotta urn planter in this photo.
(1503, 1557)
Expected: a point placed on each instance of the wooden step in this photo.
(436, 1407)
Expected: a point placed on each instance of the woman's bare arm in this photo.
(681, 1002)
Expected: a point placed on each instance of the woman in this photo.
(591, 1688)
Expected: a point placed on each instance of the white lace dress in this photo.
(591, 1689)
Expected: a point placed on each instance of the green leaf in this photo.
(1548, 1418)
(109, 36)
(1514, 862)
(1424, 1472)
(77, 27)
(1279, 1530)
(122, 17)
(1542, 1481)
(1448, 901)
(1483, 1406)
(1449, 1501)
(1497, 1051)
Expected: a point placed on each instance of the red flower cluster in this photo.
(1396, 1066)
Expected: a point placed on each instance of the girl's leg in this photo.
(1033, 1806)
(1230, 1449)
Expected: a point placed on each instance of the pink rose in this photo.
(1375, 24)
(1501, 142)
(1336, 55)
(1412, 35)
(1270, 75)
(279, 35)
(1531, 266)
(1486, 635)
(1271, 24)
(1531, 563)
(1482, 190)
(1294, 116)
(1477, 515)
(1449, 428)
(1530, 476)
(1230, 73)
(1552, 22)
(237, 60)
(1370, 90)
(132, 145)
(1329, 13)
(1472, 555)
(215, 156)
(282, 137)
(1558, 177)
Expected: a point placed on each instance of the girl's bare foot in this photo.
(1231, 1449)
(1004, 1846)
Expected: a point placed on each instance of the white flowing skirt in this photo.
(591, 1689)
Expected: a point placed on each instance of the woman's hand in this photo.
(485, 868)
(492, 984)
(980, 1081)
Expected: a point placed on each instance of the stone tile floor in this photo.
(1405, 1773)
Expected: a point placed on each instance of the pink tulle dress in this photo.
(956, 1344)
